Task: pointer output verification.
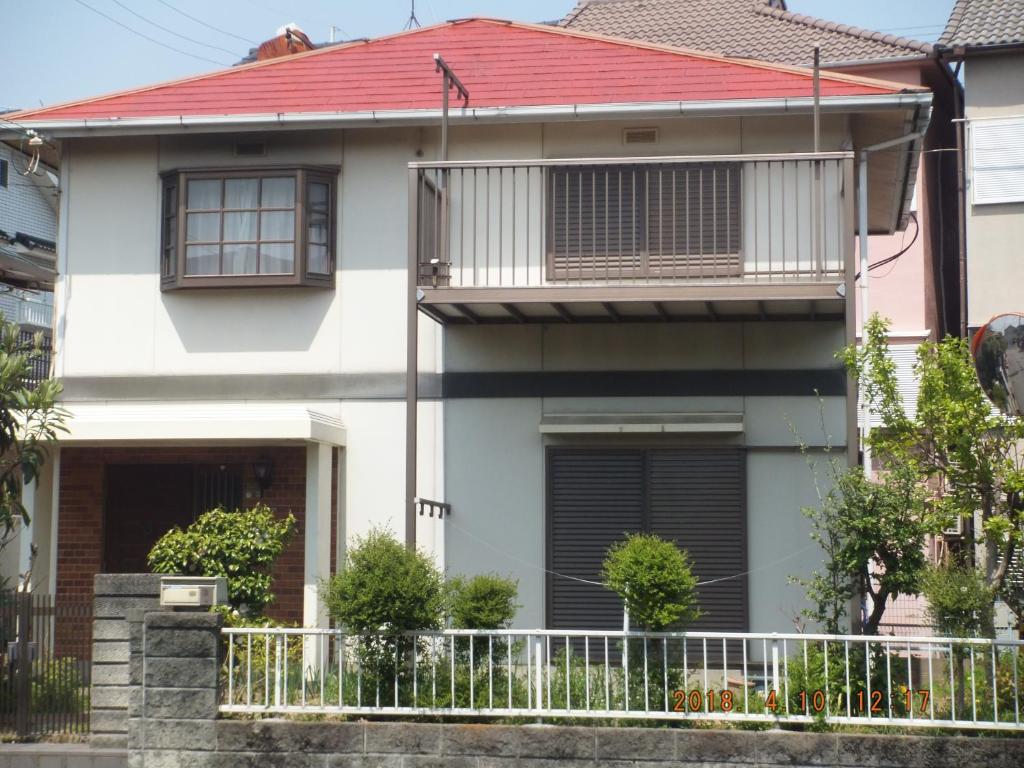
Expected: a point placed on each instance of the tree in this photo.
(871, 530)
(241, 546)
(30, 421)
(484, 601)
(654, 579)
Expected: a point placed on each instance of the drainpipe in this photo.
(865, 281)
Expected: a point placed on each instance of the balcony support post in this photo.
(865, 282)
(411, 361)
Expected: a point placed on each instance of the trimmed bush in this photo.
(240, 545)
(384, 587)
(654, 579)
(960, 601)
(485, 601)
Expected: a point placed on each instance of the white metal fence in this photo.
(841, 679)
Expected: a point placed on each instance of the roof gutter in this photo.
(284, 120)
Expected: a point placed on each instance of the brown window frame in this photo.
(173, 220)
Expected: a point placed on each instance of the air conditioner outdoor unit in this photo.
(955, 530)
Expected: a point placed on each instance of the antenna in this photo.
(413, 21)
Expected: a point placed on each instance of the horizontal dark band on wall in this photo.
(456, 385)
(644, 383)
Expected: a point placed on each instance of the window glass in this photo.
(319, 261)
(203, 194)
(202, 227)
(202, 259)
(240, 225)
(278, 192)
(277, 225)
(241, 193)
(277, 258)
(241, 259)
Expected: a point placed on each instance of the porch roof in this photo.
(208, 422)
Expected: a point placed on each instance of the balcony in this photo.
(633, 239)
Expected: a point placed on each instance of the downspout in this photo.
(865, 281)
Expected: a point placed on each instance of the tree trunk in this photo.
(878, 601)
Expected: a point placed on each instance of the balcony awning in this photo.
(637, 423)
(208, 422)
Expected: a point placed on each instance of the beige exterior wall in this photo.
(993, 87)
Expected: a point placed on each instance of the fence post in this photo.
(23, 688)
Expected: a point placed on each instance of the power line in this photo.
(144, 36)
(172, 32)
(205, 24)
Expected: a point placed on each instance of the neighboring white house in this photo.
(630, 280)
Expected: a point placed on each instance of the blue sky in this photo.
(64, 50)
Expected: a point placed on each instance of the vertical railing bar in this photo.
(501, 232)
(995, 685)
(515, 172)
(415, 670)
(756, 238)
(714, 215)
(593, 237)
(607, 678)
(433, 671)
(647, 689)
(266, 672)
(451, 704)
(888, 677)
(952, 685)
(248, 670)
(625, 670)
(472, 674)
(700, 220)
(490, 664)
(910, 680)
(508, 647)
(476, 215)
(867, 676)
(1016, 686)
(323, 671)
(686, 665)
(704, 643)
(586, 669)
(664, 669)
(807, 710)
(931, 685)
(231, 669)
(568, 685)
(974, 688)
(619, 252)
(746, 696)
(579, 270)
(529, 675)
(764, 661)
(785, 673)
(661, 222)
(340, 641)
(725, 668)
(607, 244)
(846, 651)
(675, 224)
(546, 671)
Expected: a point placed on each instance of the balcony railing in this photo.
(625, 221)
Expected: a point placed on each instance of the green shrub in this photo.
(240, 545)
(960, 602)
(485, 601)
(654, 579)
(384, 587)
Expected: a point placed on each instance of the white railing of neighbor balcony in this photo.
(632, 220)
(928, 682)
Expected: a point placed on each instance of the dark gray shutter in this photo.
(696, 498)
(595, 498)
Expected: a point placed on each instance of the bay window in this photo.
(248, 228)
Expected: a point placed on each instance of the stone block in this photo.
(108, 720)
(109, 761)
(557, 743)
(181, 643)
(716, 746)
(403, 738)
(364, 761)
(181, 703)
(110, 697)
(288, 736)
(110, 674)
(476, 739)
(438, 761)
(804, 749)
(193, 735)
(265, 760)
(181, 673)
(108, 740)
(159, 758)
(145, 584)
(119, 607)
(135, 667)
(648, 744)
(109, 629)
(115, 652)
(184, 620)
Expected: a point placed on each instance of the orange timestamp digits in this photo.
(702, 701)
(816, 702)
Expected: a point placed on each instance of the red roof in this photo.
(503, 64)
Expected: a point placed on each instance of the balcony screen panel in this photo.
(997, 160)
(694, 220)
(675, 220)
(596, 219)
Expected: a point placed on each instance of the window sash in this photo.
(997, 161)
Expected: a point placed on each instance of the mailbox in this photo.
(193, 591)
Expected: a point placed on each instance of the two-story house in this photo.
(610, 308)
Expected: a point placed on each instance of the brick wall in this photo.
(81, 515)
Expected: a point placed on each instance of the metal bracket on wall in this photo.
(428, 507)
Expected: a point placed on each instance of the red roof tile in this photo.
(503, 64)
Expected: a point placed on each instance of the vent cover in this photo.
(640, 136)
(250, 149)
